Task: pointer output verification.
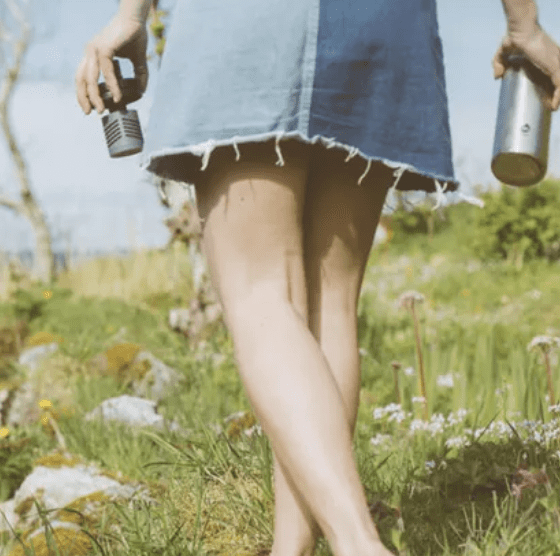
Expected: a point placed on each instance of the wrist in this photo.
(522, 17)
(134, 10)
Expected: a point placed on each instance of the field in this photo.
(464, 460)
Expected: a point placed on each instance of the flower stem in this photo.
(420, 362)
(549, 379)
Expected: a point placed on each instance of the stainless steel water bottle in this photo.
(520, 154)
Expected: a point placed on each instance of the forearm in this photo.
(136, 10)
(521, 15)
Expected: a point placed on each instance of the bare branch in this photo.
(14, 205)
(10, 77)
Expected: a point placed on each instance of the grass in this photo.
(479, 476)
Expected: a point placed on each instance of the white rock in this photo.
(34, 356)
(133, 411)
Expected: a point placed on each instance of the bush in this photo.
(419, 219)
(520, 224)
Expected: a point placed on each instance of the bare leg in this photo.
(252, 240)
(334, 272)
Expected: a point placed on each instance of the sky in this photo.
(95, 203)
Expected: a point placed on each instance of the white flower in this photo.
(398, 416)
(418, 425)
(409, 371)
(445, 381)
(419, 399)
(455, 442)
(378, 413)
(379, 439)
(545, 342)
(554, 408)
(408, 298)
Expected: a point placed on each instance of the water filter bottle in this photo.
(123, 133)
(520, 154)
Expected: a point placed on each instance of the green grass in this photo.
(441, 488)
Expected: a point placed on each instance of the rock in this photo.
(132, 411)
(158, 382)
(83, 486)
(34, 356)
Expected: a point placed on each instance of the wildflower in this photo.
(455, 442)
(417, 425)
(544, 342)
(554, 408)
(398, 416)
(430, 465)
(380, 412)
(4, 431)
(408, 298)
(45, 404)
(47, 294)
(418, 399)
(379, 439)
(409, 371)
(445, 381)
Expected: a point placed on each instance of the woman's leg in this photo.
(339, 223)
(253, 240)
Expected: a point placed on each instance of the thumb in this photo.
(498, 62)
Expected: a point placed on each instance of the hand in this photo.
(540, 50)
(122, 38)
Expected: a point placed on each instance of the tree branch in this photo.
(8, 203)
(10, 77)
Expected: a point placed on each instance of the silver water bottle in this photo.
(520, 154)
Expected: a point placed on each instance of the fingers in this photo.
(92, 77)
(81, 88)
(108, 70)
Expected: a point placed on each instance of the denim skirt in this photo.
(365, 76)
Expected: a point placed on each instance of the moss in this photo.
(41, 338)
(89, 502)
(121, 355)
(240, 424)
(68, 541)
(57, 460)
(24, 506)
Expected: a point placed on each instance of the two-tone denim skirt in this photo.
(365, 76)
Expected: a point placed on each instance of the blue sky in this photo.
(104, 204)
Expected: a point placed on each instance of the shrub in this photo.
(520, 224)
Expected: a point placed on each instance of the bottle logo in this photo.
(525, 128)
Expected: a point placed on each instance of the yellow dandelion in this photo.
(45, 404)
(47, 294)
(4, 431)
(45, 419)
